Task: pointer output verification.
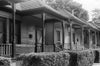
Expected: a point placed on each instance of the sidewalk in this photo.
(96, 64)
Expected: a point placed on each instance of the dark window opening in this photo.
(74, 38)
(17, 32)
(58, 36)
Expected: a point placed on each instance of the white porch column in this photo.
(43, 31)
(83, 36)
(71, 36)
(63, 34)
(89, 38)
(7, 41)
(95, 40)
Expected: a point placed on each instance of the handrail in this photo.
(5, 49)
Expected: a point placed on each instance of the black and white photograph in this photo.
(49, 32)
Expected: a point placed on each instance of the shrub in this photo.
(96, 55)
(73, 59)
(4, 61)
(85, 58)
(81, 58)
(45, 59)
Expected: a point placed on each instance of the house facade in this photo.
(40, 28)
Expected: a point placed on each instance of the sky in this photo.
(89, 5)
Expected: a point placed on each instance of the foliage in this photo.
(97, 55)
(4, 61)
(70, 6)
(85, 58)
(81, 58)
(96, 15)
(45, 59)
(63, 58)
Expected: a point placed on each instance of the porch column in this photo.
(13, 30)
(83, 36)
(54, 37)
(95, 40)
(63, 34)
(35, 38)
(89, 38)
(71, 36)
(43, 32)
(7, 41)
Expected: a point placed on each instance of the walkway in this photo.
(96, 64)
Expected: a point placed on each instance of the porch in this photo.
(43, 29)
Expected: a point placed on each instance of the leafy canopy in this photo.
(70, 6)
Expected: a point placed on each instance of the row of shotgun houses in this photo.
(33, 26)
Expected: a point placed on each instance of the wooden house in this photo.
(33, 26)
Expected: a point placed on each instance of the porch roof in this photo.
(32, 7)
(38, 6)
(93, 25)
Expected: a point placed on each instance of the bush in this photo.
(81, 58)
(85, 58)
(45, 59)
(97, 55)
(4, 61)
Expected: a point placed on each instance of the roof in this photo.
(37, 6)
(97, 24)
(93, 25)
(34, 6)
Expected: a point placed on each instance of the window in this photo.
(58, 35)
(86, 37)
(39, 35)
(93, 38)
(74, 38)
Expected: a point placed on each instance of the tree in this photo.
(70, 6)
(96, 15)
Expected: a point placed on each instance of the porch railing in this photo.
(5, 49)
